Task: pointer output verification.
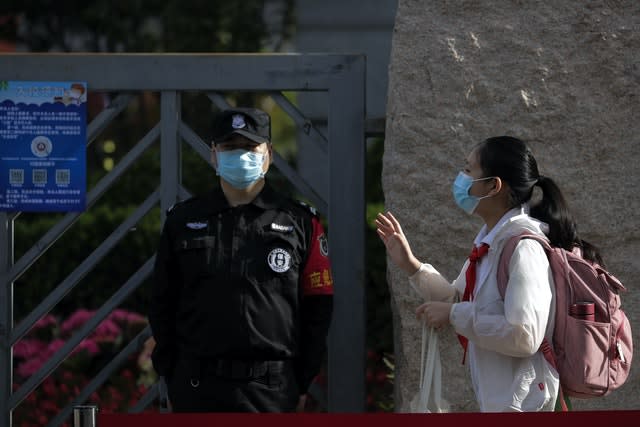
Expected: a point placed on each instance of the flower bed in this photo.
(120, 392)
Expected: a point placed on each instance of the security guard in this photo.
(242, 295)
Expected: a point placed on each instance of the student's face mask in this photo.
(461, 187)
(240, 168)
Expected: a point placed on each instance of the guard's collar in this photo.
(266, 199)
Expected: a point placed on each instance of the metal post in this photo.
(84, 415)
(6, 318)
(170, 162)
(170, 179)
(347, 155)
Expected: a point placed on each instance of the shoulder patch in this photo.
(170, 209)
(309, 207)
(176, 205)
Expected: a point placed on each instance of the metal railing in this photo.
(341, 76)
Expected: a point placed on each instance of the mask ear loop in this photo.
(483, 179)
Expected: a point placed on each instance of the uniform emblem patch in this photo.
(324, 245)
(279, 260)
(196, 225)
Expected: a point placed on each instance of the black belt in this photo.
(240, 369)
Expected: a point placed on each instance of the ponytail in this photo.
(553, 210)
(511, 159)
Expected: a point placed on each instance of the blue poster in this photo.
(43, 139)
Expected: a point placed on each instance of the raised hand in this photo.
(398, 249)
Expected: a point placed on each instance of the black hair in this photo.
(511, 160)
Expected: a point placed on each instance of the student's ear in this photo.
(497, 186)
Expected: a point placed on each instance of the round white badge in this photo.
(41, 146)
(279, 260)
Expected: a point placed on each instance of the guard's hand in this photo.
(434, 313)
(398, 249)
(302, 401)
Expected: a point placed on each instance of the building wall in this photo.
(562, 75)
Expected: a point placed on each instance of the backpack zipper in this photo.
(619, 351)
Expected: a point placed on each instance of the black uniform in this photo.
(241, 303)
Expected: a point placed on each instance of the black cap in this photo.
(251, 123)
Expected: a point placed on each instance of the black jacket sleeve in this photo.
(316, 314)
(164, 297)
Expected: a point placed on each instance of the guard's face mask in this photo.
(240, 168)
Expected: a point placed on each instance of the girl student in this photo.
(500, 338)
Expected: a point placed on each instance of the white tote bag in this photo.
(429, 397)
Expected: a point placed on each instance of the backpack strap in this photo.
(507, 252)
(503, 279)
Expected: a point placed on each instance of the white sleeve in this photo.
(431, 285)
(520, 330)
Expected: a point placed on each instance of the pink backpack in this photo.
(593, 356)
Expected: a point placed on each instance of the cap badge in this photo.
(196, 225)
(279, 260)
(237, 121)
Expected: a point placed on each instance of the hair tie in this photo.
(540, 179)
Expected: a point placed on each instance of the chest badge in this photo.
(196, 225)
(281, 228)
(279, 260)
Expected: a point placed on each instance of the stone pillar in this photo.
(564, 76)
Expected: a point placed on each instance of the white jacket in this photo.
(507, 371)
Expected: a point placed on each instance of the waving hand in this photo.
(398, 249)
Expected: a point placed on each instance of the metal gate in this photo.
(342, 77)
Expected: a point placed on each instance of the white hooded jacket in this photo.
(507, 371)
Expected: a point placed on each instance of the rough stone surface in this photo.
(563, 75)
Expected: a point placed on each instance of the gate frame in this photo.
(341, 75)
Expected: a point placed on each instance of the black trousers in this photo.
(233, 386)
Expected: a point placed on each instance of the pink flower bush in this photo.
(89, 346)
(35, 360)
(123, 317)
(28, 348)
(49, 334)
(75, 321)
(47, 322)
(107, 331)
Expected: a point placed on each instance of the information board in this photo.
(43, 139)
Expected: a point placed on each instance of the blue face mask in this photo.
(240, 168)
(461, 187)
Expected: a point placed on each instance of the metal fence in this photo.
(341, 76)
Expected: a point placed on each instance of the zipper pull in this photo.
(620, 353)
